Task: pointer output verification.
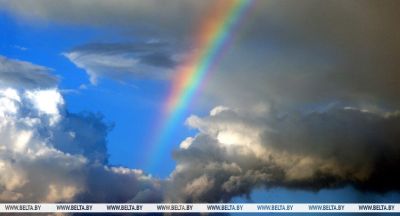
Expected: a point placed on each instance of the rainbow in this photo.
(214, 33)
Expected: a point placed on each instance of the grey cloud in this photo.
(118, 184)
(158, 59)
(122, 61)
(319, 150)
(291, 53)
(138, 17)
(308, 52)
(21, 74)
(363, 143)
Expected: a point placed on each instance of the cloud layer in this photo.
(294, 54)
(290, 53)
(133, 17)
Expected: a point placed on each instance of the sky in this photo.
(199, 101)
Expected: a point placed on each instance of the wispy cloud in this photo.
(122, 61)
(25, 74)
(20, 47)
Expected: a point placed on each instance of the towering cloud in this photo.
(49, 155)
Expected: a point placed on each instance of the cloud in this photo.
(133, 17)
(50, 155)
(121, 61)
(82, 134)
(21, 74)
(236, 152)
(310, 61)
(294, 54)
(290, 53)
(21, 48)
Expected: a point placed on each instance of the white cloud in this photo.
(186, 143)
(9, 100)
(41, 162)
(47, 102)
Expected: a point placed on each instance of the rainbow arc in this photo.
(213, 35)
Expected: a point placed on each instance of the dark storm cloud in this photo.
(133, 17)
(120, 185)
(296, 53)
(23, 74)
(292, 53)
(121, 61)
(314, 151)
(365, 144)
